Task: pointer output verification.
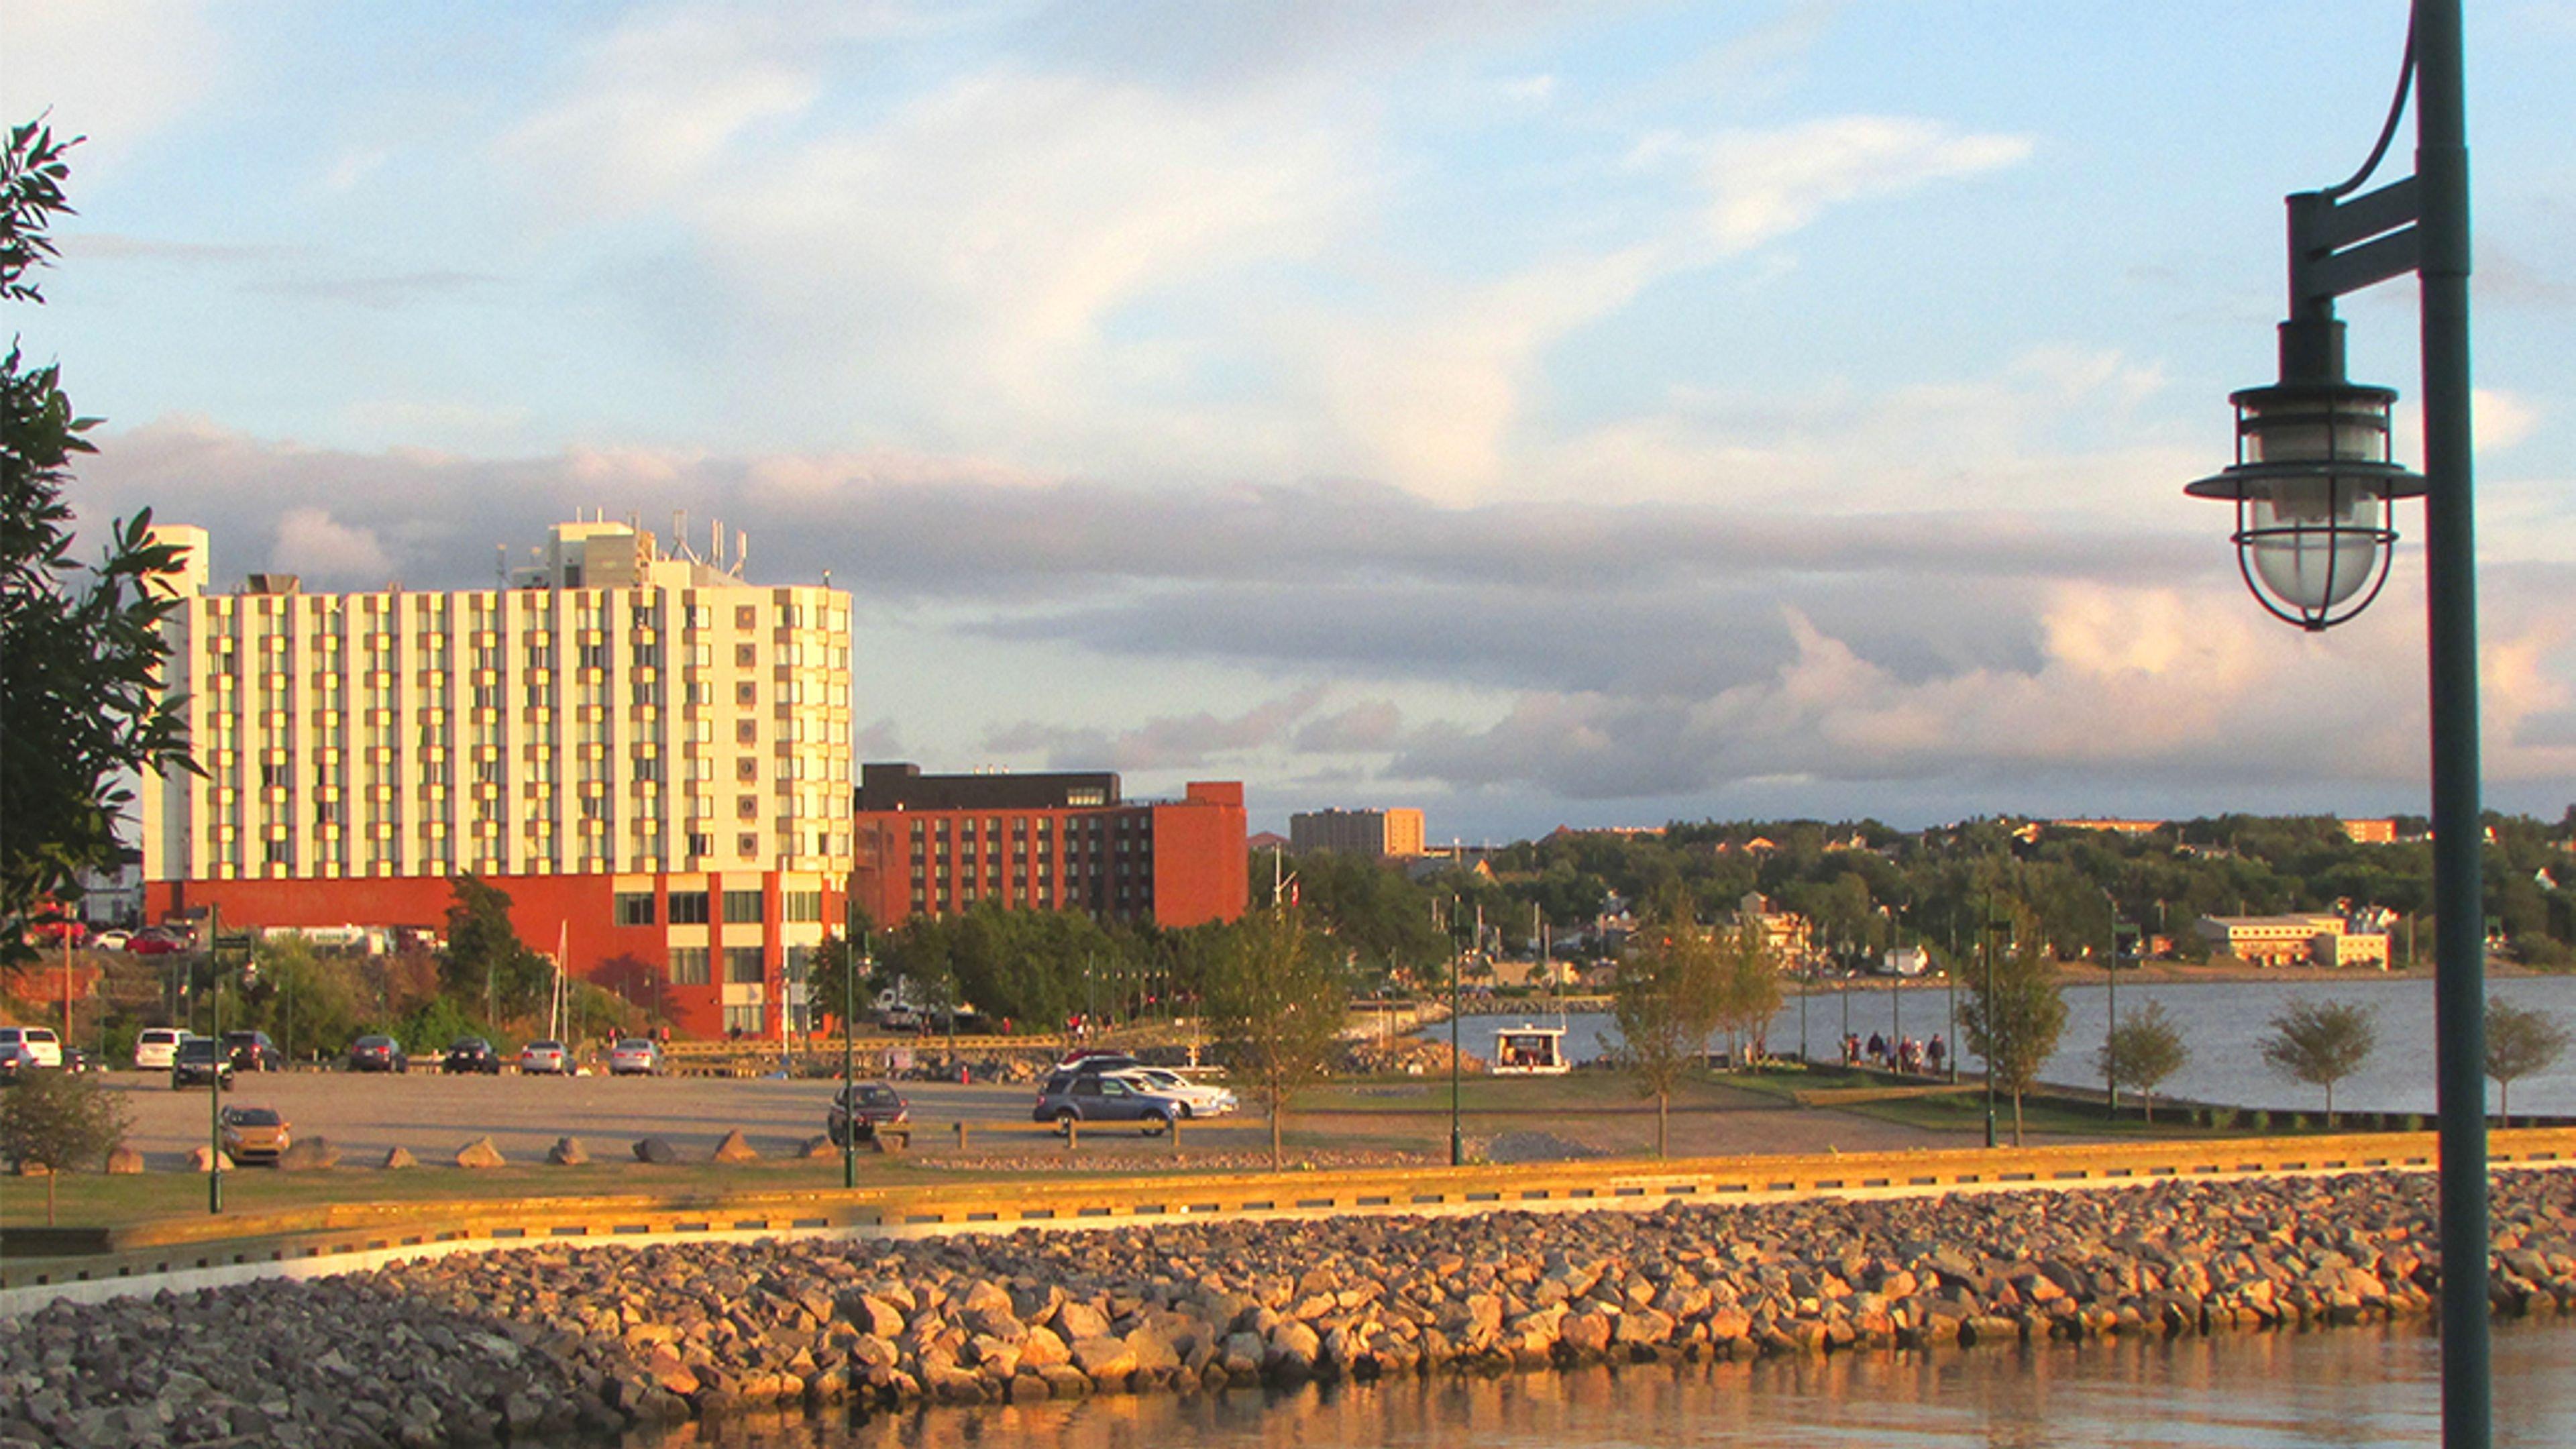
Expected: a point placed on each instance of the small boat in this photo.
(1530, 1051)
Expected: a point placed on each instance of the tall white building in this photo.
(632, 743)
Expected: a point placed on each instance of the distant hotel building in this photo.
(2370, 832)
(648, 753)
(938, 844)
(2324, 939)
(1357, 832)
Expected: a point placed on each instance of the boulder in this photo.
(568, 1152)
(1104, 1358)
(122, 1160)
(480, 1153)
(818, 1147)
(308, 1154)
(1042, 1349)
(1076, 1320)
(206, 1159)
(400, 1157)
(657, 1151)
(735, 1148)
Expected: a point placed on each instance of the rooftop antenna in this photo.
(741, 549)
(715, 542)
(500, 565)
(680, 534)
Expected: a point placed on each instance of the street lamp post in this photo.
(2312, 486)
(1990, 1015)
(1457, 1139)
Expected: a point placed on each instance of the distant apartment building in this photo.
(2113, 827)
(938, 844)
(648, 752)
(2370, 832)
(2292, 940)
(1383, 833)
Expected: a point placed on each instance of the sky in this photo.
(1584, 414)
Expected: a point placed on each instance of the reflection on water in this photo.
(2357, 1387)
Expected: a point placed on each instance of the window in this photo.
(742, 908)
(746, 845)
(742, 964)
(688, 964)
(746, 656)
(634, 908)
(747, 768)
(746, 807)
(802, 906)
(746, 731)
(743, 1019)
(746, 616)
(746, 692)
(689, 908)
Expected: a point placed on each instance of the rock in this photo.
(657, 1151)
(309, 1154)
(1075, 1320)
(480, 1153)
(1042, 1348)
(818, 1147)
(206, 1159)
(568, 1152)
(1104, 1358)
(400, 1157)
(123, 1160)
(735, 1148)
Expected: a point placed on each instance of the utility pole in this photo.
(215, 1086)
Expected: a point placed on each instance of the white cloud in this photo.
(1766, 184)
(311, 543)
(114, 70)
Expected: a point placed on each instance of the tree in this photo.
(2521, 1040)
(1748, 987)
(2320, 1043)
(2014, 1020)
(79, 661)
(1276, 996)
(58, 1120)
(486, 960)
(1667, 1000)
(2144, 1049)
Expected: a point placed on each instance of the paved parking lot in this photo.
(433, 1115)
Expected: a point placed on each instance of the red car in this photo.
(155, 943)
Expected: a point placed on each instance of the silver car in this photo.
(635, 1056)
(544, 1059)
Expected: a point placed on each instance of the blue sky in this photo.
(1539, 413)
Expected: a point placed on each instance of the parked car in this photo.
(40, 1042)
(15, 1061)
(252, 1051)
(1197, 1099)
(255, 1134)
(635, 1056)
(471, 1054)
(1086, 1097)
(1095, 1060)
(155, 942)
(78, 1059)
(545, 1059)
(111, 940)
(156, 1046)
(200, 1060)
(867, 1108)
(378, 1054)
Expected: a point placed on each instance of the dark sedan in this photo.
(199, 1060)
(378, 1054)
(874, 1108)
(252, 1051)
(471, 1054)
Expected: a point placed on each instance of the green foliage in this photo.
(2320, 1043)
(308, 1001)
(2144, 1049)
(2521, 1040)
(2014, 1020)
(436, 1022)
(59, 1121)
(1670, 995)
(1368, 909)
(1748, 986)
(81, 656)
(1274, 1001)
(486, 962)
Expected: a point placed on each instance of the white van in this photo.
(40, 1042)
(157, 1048)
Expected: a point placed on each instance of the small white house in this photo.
(1905, 961)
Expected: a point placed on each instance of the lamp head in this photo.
(2312, 483)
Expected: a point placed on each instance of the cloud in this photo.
(114, 70)
(1765, 184)
(1164, 743)
(310, 542)
(1373, 725)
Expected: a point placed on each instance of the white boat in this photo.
(1530, 1051)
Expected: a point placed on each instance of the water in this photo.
(2359, 1388)
(2220, 1021)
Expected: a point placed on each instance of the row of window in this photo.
(690, 908)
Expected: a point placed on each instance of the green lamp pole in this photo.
(215, 1075)
(849, 1047)
(2312, 486)
(1988, 1011)
(1457, 1139)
